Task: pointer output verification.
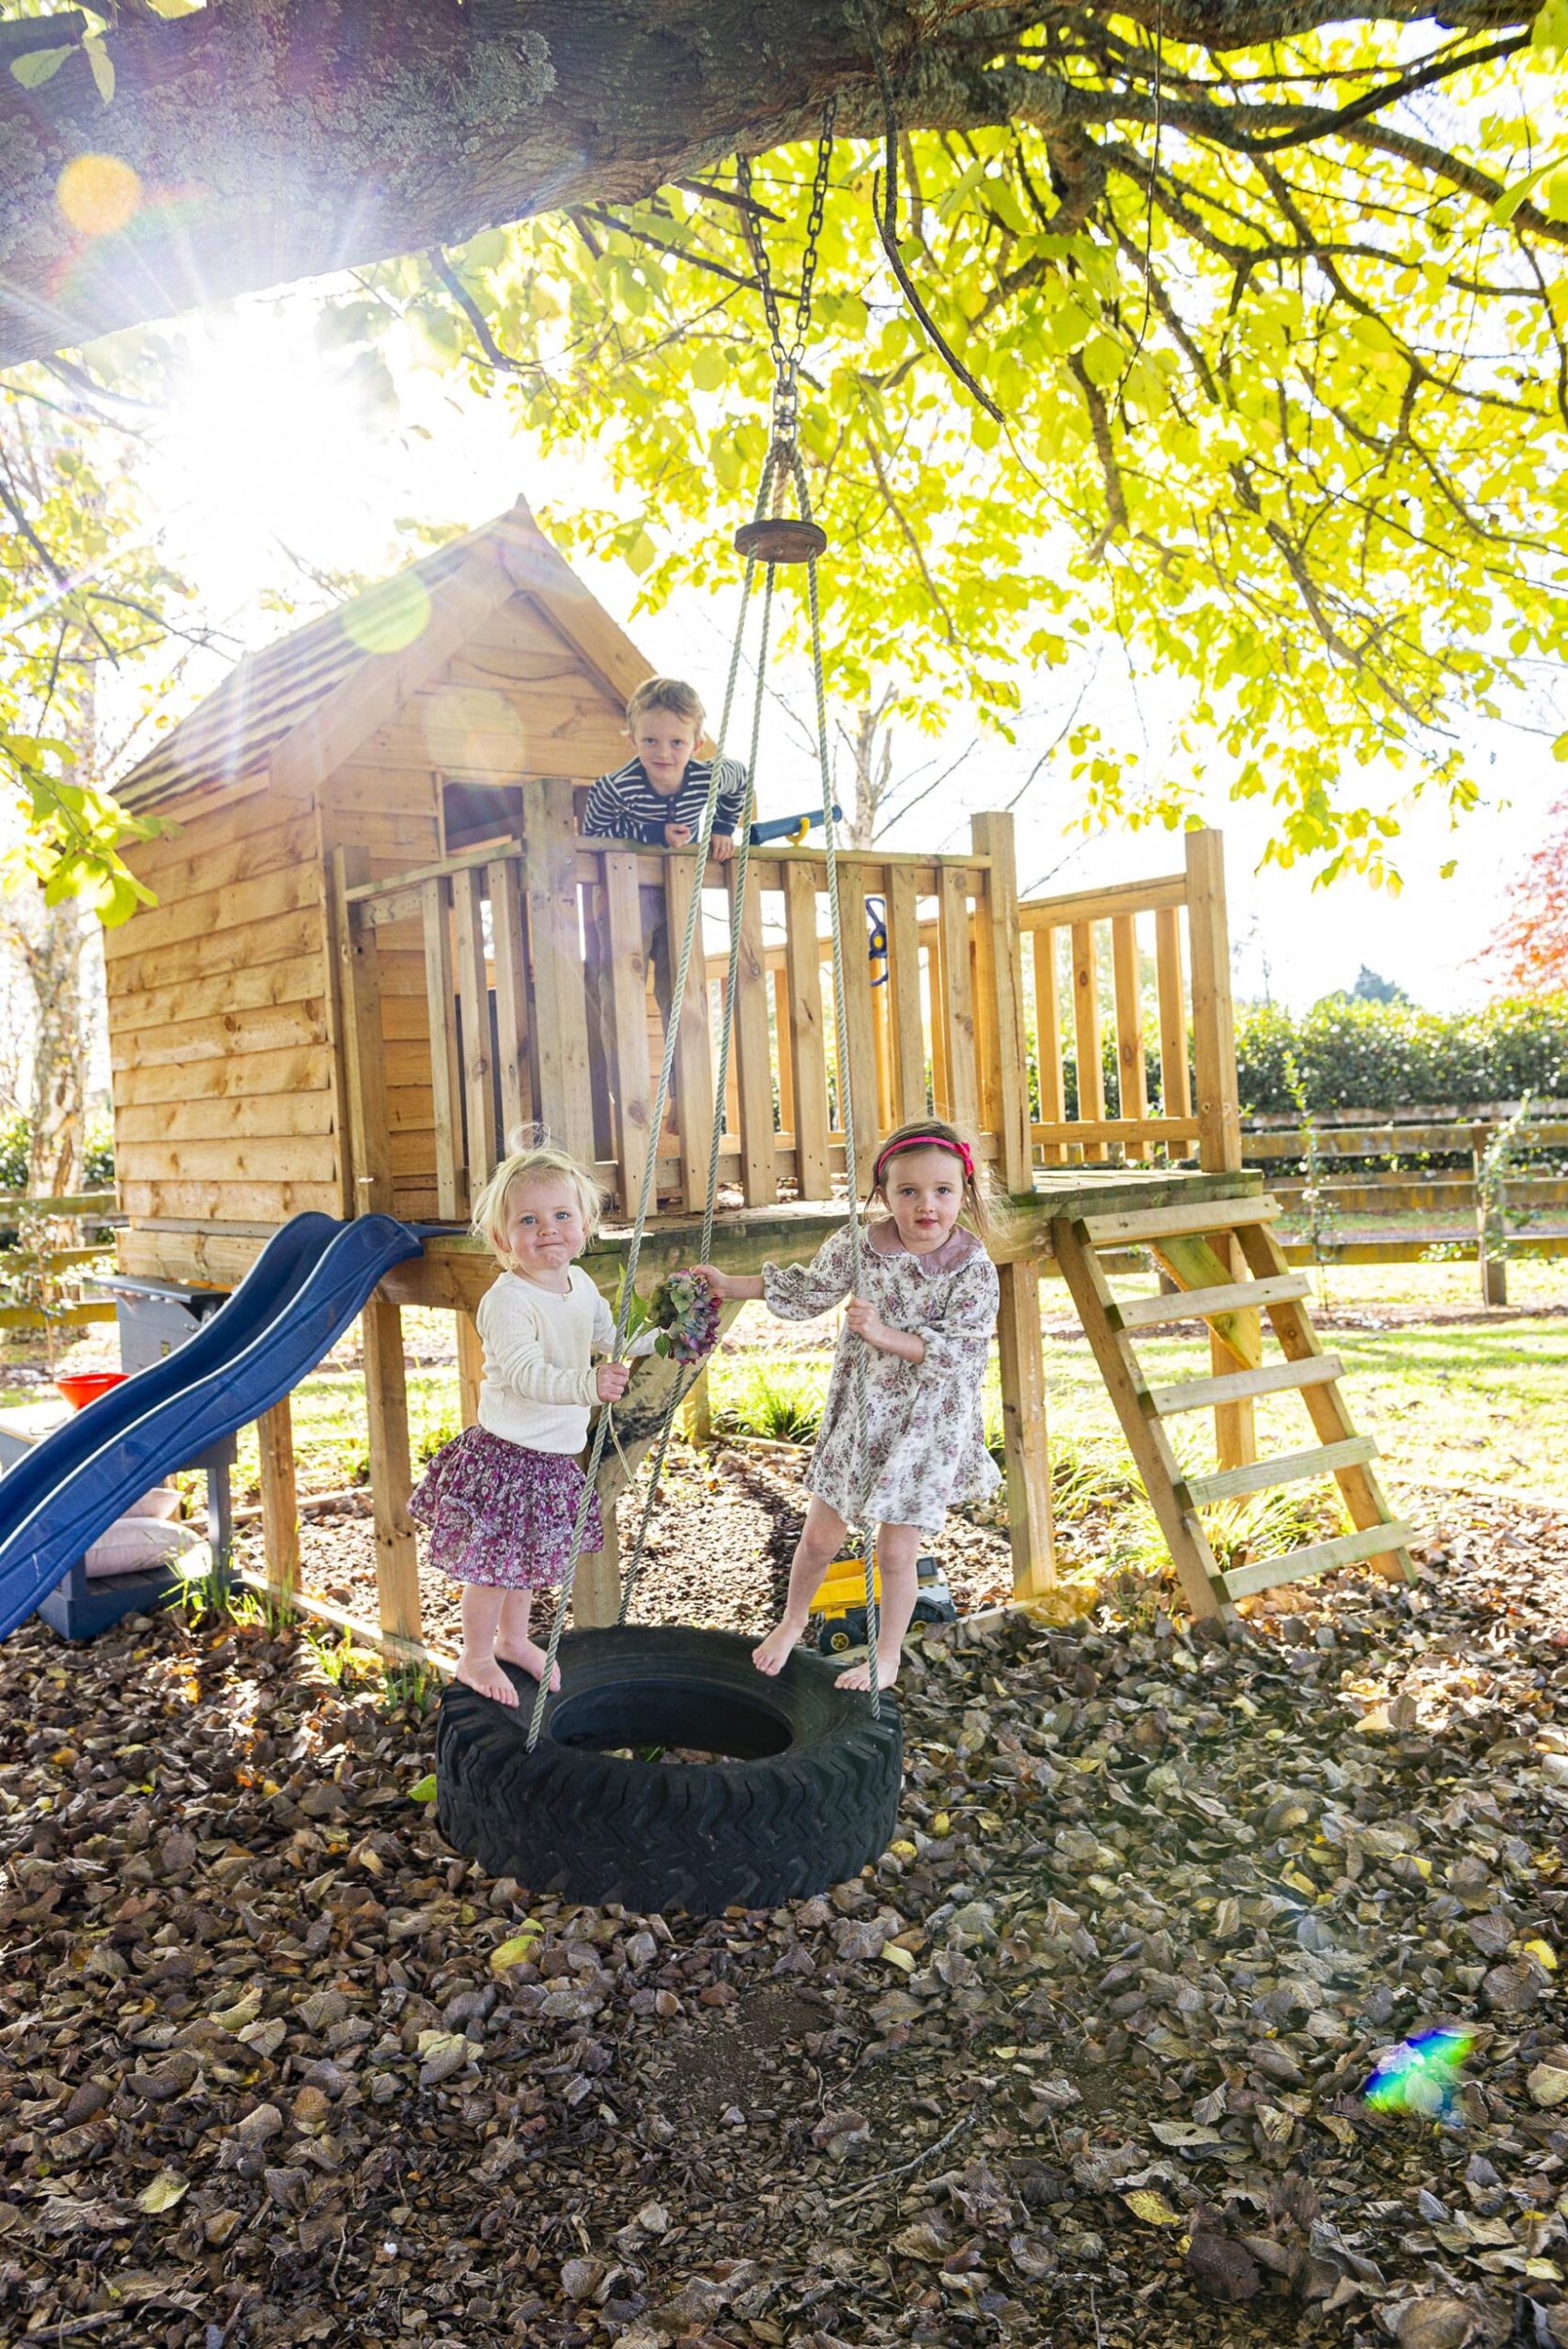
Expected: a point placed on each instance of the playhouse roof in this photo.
(300, 706)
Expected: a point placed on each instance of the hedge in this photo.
(1354, 1055)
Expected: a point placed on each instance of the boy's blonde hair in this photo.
(984, 1209)
(666, 692)
(531, 1159)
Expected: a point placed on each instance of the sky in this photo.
(278, 466)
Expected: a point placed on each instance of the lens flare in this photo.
(99, 194)
(1421, 2074)
(387, 618)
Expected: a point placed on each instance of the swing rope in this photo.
(782, 463)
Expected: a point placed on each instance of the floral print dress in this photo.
(926, 1446)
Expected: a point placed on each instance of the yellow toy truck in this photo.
(840, 1604)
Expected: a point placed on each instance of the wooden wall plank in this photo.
(243, 989)
(250, 1073)
(207, 912)
(510, 955)
(446, 1077)
(270, 1028)
(250, 943)
(908, 1034)
(1048, 1037)
(474, 997)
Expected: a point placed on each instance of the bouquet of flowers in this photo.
(685, 1312)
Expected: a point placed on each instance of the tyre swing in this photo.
(569, 1792)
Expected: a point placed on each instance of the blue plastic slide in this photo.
(293, 1305)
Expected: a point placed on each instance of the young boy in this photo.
(658, 797)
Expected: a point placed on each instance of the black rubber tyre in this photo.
(811, 1796)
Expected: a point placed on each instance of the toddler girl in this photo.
(926, 1318)
(501, 1500)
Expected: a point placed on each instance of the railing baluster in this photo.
(909, 1034)
(1047, 1039)
(1175, 1083)
(956, 999)
(626, 989)
(1086, 1034)
(807, 1047)
(1131, 1083)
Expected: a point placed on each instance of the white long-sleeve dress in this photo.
(926, 1443)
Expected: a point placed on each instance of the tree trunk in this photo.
(273, 140)
(56, 1153)
(871, 748)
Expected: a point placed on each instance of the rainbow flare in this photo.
(1421, 2074)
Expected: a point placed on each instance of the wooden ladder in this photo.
(1203, 1248)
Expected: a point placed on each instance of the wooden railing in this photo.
(1125, 933)
(506, 932)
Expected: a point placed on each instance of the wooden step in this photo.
(1236, 1297)
(1290, 1468)
(1318, 1558)
(1206, 1214)
(1197, 1394)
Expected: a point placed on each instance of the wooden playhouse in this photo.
(365, 966)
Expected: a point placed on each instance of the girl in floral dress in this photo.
(501, 1500)
(929, 1305)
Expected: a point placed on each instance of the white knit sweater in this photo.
(538, 1359)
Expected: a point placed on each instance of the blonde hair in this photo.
(983, 1208)
(529, 1160)
(665, 692)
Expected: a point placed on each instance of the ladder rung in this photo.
(1318, 1558)
(1291, 1468)
(1203, 1214)
(1196, 1394)
(1237, 1296)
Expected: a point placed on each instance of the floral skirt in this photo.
(501, 1514)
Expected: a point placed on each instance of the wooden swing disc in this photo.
(781, 541)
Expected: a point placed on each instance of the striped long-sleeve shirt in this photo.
(626, 806)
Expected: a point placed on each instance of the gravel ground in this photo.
(719, 1547)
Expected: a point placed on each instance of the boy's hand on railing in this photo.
(611, 1380)
(721, 846)
(677, 835)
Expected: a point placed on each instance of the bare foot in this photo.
(487, 1677)
(531, 1656)
(779, 1646)
(859, 1675)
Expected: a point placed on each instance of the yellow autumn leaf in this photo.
(513, 1953)
(894, 1956)
(167, 2188)
(1152, 2208)
(1543, 1953)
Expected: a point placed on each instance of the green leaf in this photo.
(101, 64)
(38, 66)
(424, 1791)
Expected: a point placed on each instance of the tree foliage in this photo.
(1283, 397)
(82, 595)
(1530, 952)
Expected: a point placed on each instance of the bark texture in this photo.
(274, 140)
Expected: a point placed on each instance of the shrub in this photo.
(1359, 1055)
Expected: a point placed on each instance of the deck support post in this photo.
(280, 1504)
(1025, 1444)
(470, 1367)
(390, 1476)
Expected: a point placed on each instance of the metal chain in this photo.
(787, 362)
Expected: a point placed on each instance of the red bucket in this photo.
(83, 1387)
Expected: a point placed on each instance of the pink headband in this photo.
(960, 1150)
